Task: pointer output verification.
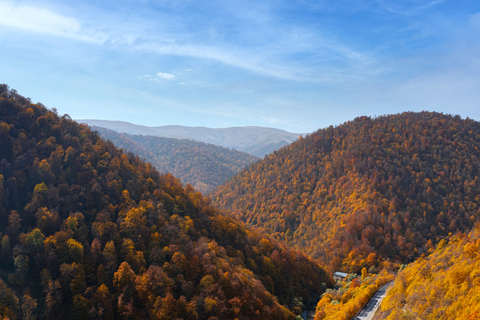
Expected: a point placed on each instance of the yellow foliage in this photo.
(346, 302)
(444, 285)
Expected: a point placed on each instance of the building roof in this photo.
(340, 274)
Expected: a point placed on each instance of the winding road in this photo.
(369, 309)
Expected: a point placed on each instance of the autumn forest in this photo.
(368, 193)
(92, 231)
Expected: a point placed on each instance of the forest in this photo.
(352, 294)
(89, 231)
(443, 285)
(202, 165)
(371, 193)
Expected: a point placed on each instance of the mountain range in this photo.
(91, 231)
(257, 141)
(202, 165)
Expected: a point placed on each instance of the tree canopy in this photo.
(366, 193)
(202, 165)
(89, 231)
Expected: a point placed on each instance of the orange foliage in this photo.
(367, 192)
(88, 230)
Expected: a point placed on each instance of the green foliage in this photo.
(365, 193)
(90, 231)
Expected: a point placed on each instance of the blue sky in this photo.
(298, 65)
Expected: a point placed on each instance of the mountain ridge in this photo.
(367, 193)
(202, 165)
(254, 140)
(89, 231)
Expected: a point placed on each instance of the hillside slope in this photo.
(202, 165)
(90, 232)
(257, 141)
(366, 191)
(443, 285)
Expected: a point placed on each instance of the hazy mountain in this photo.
(257, 141)
(368, 192)
(202, 165)
(91, 232)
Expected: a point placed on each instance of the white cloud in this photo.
(408, 7)
(41, 20)
(273, 120)
(271, 58)
(146, 77)
(164, 75)
(157, 77)
(244, 61)
(475, 21)
(37, 19)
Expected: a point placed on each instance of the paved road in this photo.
(369, 309)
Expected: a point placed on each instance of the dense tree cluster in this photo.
(443, 285)
(202, 165)
(91, 232)
(367, 191)
(352, 295)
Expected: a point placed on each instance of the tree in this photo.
(14, 224)
(29, 305)
(103, 303)
(124, 279)
(75, 250)
(47, 221)
(364, 273)
(8, 302)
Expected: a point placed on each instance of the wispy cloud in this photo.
(225, 56)
(271, 120)
(408, 7)
(164, 75)
(252, 58)
(269, 48)
(42, 20)
(147, 77)
(157, 76)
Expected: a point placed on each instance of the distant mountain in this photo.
(89, 231)
(368, 192)
(202, 165)
(257, 141)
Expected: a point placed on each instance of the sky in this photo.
(297, 65)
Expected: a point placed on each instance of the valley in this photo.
(239, 160)
(89, 230)
(204, 166)
(257, 141)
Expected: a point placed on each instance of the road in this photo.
(369, 309)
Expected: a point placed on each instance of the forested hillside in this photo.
(91, 232)
(367, 192)
(202, 165)
(444, 285)
(257, 141)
